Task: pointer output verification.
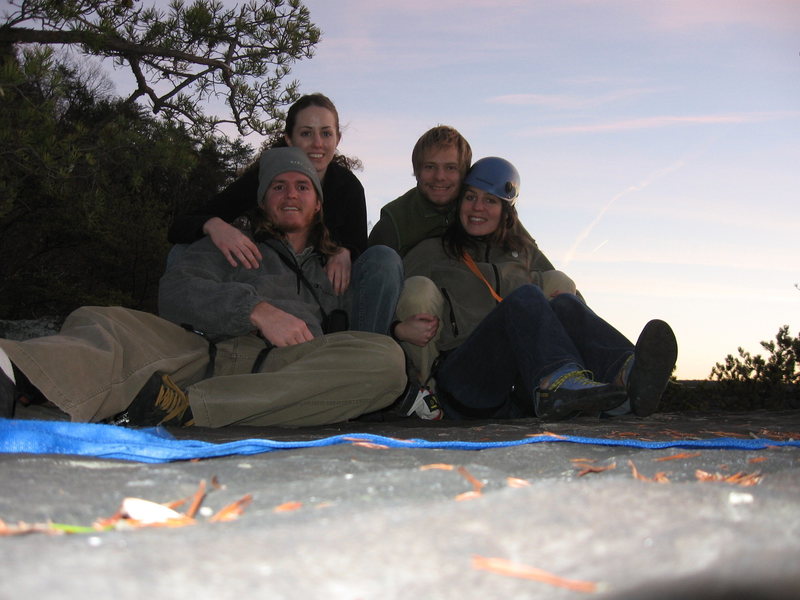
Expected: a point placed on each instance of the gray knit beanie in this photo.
(275, 161)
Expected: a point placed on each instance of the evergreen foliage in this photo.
(782, 365)
(88, 187)
(184, 56)
(758, 382)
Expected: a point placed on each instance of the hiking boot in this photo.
(571, 390)
(159, 402)
(8, 387)
(649, 372)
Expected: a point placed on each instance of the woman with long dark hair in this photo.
(312, 124)
(511, 335)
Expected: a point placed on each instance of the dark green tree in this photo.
(770, 382)
(182, 57)
(782, 365)
(88, 187)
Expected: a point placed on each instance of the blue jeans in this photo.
(376, 282)
(494, 373)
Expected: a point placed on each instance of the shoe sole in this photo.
(8, 396)
(654, 358)
(563, 403)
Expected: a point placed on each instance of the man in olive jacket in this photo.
(440, 159)
(264, 356)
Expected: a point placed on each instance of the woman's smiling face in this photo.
(316, 133)
(480, 212)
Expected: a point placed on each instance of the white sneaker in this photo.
(426, 406)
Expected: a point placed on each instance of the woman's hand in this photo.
(279, 327)
(338, 270)
(234, 245)
(417, 329)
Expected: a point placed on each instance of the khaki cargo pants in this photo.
(94, 367)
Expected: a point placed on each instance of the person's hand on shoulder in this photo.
(235, 246)
(338, 270)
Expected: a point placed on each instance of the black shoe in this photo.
(571, 392)
(399, 409)
(8, 396)
(159, 402)
(8, 389)
(653, 361)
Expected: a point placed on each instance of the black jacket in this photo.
(344, 209)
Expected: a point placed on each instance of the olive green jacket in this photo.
(467, 298)
(408, 220)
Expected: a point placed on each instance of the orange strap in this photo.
(474, 268)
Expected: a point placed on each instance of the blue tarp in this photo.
(156, 445)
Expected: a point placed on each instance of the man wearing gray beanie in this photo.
(235, 346)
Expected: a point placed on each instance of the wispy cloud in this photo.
(691, 14)
(631, 189)
(664, 121)
(685, 14)
(570, 101)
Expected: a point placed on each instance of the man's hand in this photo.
(417, 329)
(279, 327)
(233, 244)
(338, 270)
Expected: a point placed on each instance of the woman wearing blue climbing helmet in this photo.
(506, 346)
(495, 176)
(486, 209)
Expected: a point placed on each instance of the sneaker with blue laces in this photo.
(570, 390)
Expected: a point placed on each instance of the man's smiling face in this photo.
(291, 202)
(439, 177)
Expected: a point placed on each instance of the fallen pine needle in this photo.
(740, 478)
(680, 456)
(366, 444)
(470, 495)
(136, 513)
(516, 482)
(547, 434)
(439, 466)
(725, 434)
(593, 469)
(197, 499)
(659, 477)
(23, 528)
(502, 566)
(287, 507)
(757, 459)
(233, 510)
(476, 485)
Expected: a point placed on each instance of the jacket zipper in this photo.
(453, 324)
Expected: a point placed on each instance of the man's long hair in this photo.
(319, 237)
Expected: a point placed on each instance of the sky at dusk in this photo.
(658, 142)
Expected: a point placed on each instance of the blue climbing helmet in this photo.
(495, 176)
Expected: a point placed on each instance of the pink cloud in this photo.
(686, 14)
(666, 121)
